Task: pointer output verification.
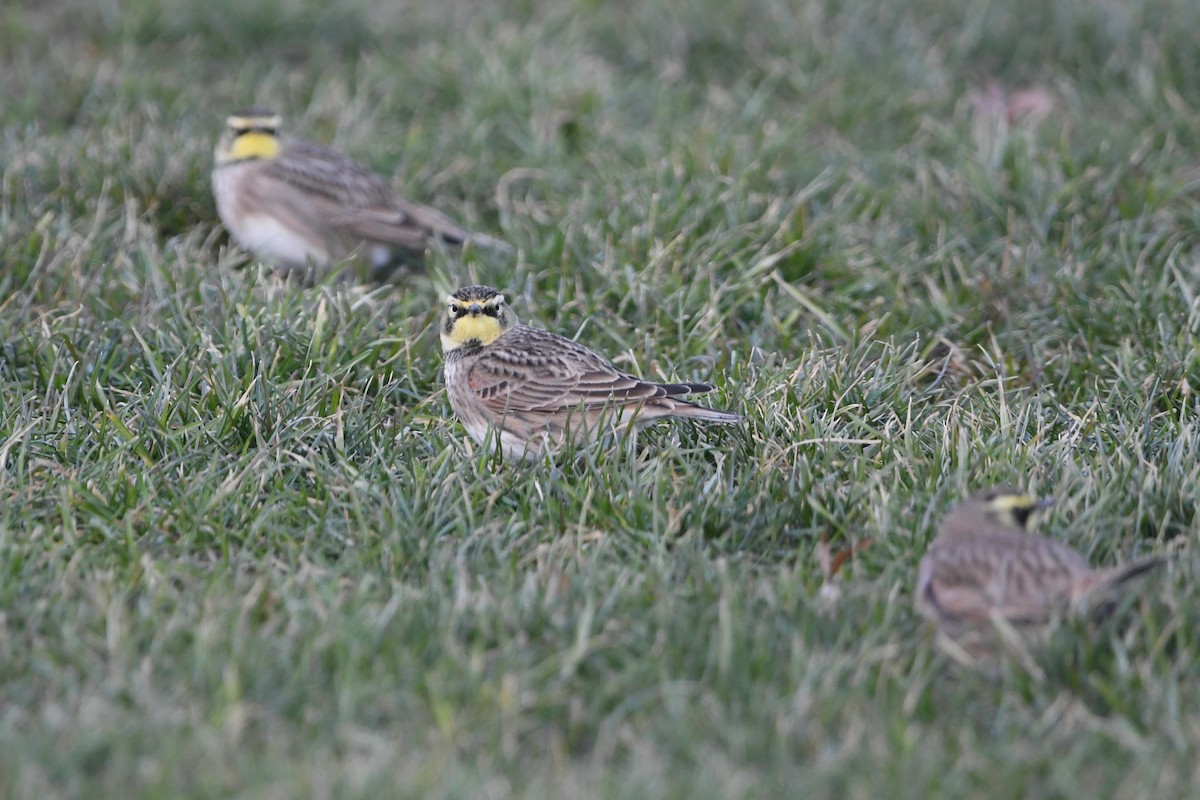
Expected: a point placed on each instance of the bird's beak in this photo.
(1044, 503)
(475, 309)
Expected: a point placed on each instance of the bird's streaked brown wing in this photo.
(1018, 576)
(539, 371)
(320, 171)
(357, 201)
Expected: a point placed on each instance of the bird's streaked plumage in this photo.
(305, 207)
(984, 563)
(538, 389)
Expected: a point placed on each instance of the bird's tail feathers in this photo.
(482, 240)
(1119, 576)
(1110, 586)
(692, 411)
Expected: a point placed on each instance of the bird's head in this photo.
(249, 135)
(475, 316)
(1003, 505)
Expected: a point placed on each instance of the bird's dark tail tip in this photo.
(1107, 595)
(1122, 575)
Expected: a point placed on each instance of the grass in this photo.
(246, 552)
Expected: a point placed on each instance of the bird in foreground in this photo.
(305, 207)
(538, 389)
(985, 564)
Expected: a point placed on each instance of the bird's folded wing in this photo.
(554, 387)
(322, 172)
(348, 196)
(389, 226)
(1017, 576)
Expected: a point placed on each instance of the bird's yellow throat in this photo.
(481, 328)
(254, 144)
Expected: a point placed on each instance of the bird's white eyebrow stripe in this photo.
(255, 123)
(494, 300)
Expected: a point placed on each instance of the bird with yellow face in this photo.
(306, 208)
(984, 563)
(536, 390)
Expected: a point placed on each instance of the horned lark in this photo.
(984, 564)
(305, 207)
(537, 389)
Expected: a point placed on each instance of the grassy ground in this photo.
(245, 552)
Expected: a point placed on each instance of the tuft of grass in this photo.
(246, 551)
